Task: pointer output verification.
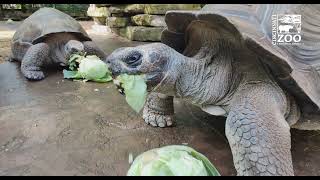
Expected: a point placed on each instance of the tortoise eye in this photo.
(134, 59)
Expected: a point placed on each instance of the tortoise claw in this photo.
(34, 75)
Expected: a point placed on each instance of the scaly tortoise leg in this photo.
(33, 60)
(158, 110)
(259, 135)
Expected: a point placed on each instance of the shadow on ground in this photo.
(61, 127)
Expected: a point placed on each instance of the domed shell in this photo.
(46, 21)
(294, 66)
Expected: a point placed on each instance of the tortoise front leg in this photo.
(33, 60)
(158, 110)
(92, 49)
(259, 135)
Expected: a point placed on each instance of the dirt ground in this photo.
(6, 32)
(61, 127)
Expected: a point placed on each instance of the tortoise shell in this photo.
(293, 66)
(46, 21)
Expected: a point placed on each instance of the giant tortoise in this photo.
(48, 37)
(222, 59)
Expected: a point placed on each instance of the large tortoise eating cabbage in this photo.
(48, 37)
(222, 59)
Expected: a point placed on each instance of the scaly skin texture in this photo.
(258, 133)
(158, 110)
(54, 50)
(33, 60)
(227, 74)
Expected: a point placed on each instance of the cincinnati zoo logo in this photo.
(286, 29)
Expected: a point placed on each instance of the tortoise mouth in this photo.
(152, 80)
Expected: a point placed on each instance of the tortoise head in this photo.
(71, 47)
(153, 60)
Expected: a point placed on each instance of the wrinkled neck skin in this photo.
(58, 54)
(200, 80)
(203, 83)
(57, 43)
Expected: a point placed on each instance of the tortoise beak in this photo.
(114, 67)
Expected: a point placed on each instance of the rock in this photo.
(127, 8)
(99, 20)
(117, 21)
(134, 8)
(142, 33)
(119, 31)
(94, 11)
(103, 5)
(116, 9)
(163, 8)
(119, 15)
(116, 30)
(98, 14)
(148, 20)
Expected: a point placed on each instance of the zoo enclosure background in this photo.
(22, 11)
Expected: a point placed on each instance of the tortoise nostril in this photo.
(108, 59)
(115, 72)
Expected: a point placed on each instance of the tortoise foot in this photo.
(34, 75)
(157, 118)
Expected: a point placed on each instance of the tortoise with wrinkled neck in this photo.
(222, 59)
(48, 37)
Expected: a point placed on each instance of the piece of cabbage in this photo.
(174, 160)
(135, 90)
(90, 68)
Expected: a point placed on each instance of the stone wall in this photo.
(137, 22)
